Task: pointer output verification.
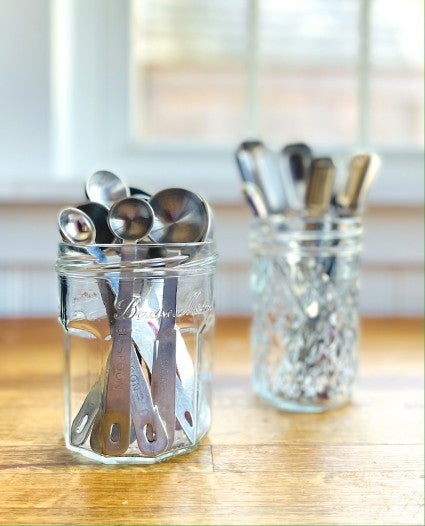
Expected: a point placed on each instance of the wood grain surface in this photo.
(361, 464)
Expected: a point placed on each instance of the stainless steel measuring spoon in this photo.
(76, 226)
(130, 219)
(150, 430)
(98, 213)
(180, 217)
(106, 188)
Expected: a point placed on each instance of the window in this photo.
(325, 71)
(167, 89)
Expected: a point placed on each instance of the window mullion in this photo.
(252, 68)
(363, 71)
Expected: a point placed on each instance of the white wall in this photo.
(24, 89)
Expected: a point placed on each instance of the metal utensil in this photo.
(106, 188)
(209, 234)
(180, 217)
(296, 168)
(98, 213)
(258, 165)
(145, 335)
(143, 340)
(151, 433)
(351, 201)
(130, 219)
(84, 419)
(255, 200)
(76, 226)
(362, 170)
(319, 188)
(140, 194)
(144, 415)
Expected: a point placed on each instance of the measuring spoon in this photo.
(180, 217)
(140, 194)
(150, 430)
(98, 213)
(106, 188)
(76, 226)
(130, 219)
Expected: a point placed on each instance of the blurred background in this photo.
(162, 92)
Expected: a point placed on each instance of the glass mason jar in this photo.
(305, 331)
(138, 324)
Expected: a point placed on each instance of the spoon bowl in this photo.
(181, 216)
(131, 219)
(76, 226)
(106, 188)
(98, 213)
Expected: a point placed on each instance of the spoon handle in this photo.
(84, 419)
(115, 429)
(149, 428)
(164, 368)
(115, 425)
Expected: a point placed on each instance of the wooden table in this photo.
(362, 464)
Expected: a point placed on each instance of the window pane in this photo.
(215, 71)
(189, 80)
(397, 99)
(308, 57)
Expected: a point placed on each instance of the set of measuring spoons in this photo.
(295, 182)
(129, 404)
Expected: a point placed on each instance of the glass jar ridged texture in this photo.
(305, 331)
(138, 323)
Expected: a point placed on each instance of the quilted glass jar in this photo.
(305, 331)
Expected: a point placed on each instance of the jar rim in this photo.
(172, 258)
(309, 234)
(116, 246)
(299, 219)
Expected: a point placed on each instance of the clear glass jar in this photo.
(138, 324)
(305, 331)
